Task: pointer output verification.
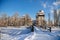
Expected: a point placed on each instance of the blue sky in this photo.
(30, 7)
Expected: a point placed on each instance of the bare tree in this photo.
(55, 17)
(4, 20)
(48, 19)
(58, 17)
(27, 20)
(15, 19)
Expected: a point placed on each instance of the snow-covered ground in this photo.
(12, 33)
(44, 35)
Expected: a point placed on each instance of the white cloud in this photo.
(56, 3)
(44, 5)
(52, 11)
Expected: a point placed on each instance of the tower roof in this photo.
(41, 12)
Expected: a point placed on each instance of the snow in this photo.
(5, 37)
(41, 35)
(30, 37)
(9, 33)
(55, 28)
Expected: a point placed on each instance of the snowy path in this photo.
(26, 34)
